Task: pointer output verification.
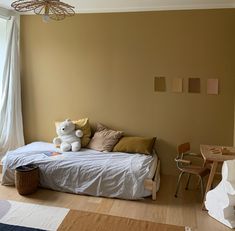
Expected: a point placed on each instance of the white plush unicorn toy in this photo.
(220, 201)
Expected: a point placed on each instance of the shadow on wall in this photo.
(166, 153)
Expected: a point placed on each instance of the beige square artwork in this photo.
(177, 85)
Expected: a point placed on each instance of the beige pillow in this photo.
(135, 145)
(84, 125)
(104, 139)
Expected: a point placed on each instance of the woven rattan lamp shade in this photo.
(49, 9)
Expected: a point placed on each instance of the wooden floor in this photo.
(184, 210)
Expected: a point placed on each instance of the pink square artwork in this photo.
(212, 86)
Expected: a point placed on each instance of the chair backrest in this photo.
(183, 148)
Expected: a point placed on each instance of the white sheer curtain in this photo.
(234, 125)
(2, 46)
(11, 127)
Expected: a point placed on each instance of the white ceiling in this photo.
(95, 6)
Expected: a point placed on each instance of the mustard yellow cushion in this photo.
(84, 125)
(142, 145)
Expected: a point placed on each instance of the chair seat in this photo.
(193, 169)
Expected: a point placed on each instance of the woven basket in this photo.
(27, 179)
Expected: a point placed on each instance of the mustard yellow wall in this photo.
(102, 66)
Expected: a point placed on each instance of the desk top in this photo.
(217, 153)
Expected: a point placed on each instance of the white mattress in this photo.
(153, 167)
(114, 174)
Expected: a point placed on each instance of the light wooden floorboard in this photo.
(184, 210)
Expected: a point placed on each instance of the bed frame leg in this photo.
(154, 191)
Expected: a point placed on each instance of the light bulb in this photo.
(46, 18)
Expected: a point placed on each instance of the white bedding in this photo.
(90, 172)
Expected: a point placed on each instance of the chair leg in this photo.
(178, 184)
(202, 187)
(189, 176)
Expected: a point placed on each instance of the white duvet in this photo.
(90, 172)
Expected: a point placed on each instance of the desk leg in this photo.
(210, 180)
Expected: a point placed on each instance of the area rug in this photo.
(18, 216)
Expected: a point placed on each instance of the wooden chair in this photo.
(185, 166)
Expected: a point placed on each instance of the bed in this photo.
(89, 172)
